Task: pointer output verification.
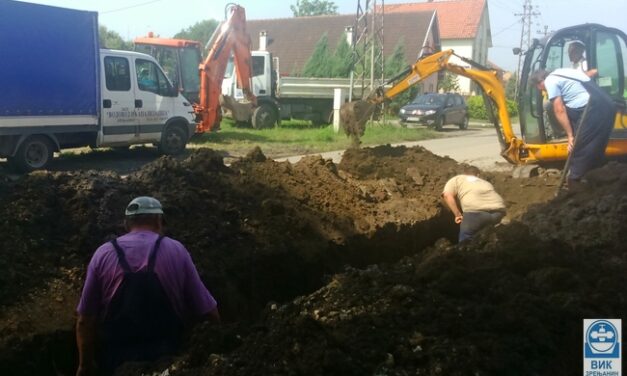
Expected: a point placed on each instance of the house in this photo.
(464, 27)
(293, 40)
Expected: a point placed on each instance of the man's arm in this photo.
(199, 300)
(451, 202)
(86, 327)
(562, 117)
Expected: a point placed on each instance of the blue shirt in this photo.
(572, 92)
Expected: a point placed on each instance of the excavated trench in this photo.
(260, 232)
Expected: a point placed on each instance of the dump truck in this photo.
(60, 90)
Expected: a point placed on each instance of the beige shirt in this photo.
(474, 194)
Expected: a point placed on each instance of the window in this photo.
(150, 78)
(608, 51)
(258, 65)
(190, 57)
(117, 75)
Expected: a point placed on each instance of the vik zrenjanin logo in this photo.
(601, 340)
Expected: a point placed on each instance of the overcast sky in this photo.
(133, 18)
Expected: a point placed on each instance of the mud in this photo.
(354, 116)
(262, 233)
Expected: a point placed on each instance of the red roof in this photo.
(459, 19)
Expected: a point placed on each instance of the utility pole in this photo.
(545, 32)
(368, 59)
(526, 19)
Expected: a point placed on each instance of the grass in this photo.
(300, 137)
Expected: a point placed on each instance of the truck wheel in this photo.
(173, 140)
(264, 116)
(34, 153)
(439, 123)
(464, 124)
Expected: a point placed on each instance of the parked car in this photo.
(436, 110)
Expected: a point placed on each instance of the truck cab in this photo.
(140, 104)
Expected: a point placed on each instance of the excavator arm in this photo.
(425, 67)
(229, 37)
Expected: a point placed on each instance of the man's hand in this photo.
(571, 143)
(459, 218)
(86, 370)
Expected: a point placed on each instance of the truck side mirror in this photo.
(516, 50)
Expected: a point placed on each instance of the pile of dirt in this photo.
(259, 231)
(509, 302)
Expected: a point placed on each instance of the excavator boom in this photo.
(229, 38)
(356, 114)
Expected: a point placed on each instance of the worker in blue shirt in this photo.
(570, 92)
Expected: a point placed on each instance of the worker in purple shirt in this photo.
(140, 291)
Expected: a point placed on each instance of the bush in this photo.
(477, 109)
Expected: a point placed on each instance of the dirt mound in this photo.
(259, 231)
(509, 302)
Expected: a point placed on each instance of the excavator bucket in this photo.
(354, 116)
(240, 112)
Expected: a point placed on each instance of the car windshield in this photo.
(433, 100)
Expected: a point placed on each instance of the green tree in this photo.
(510, 87)
(319, 64)
(342, 60)
(449, 83)
(111, 39)
(394, 64)
(313, 8)
(200, 31)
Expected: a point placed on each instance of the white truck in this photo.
(60, 90)
(280, 98)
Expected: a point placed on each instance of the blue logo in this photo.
(602, 340)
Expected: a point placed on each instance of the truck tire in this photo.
(35, 153)
(438, 124)
(173, 140)
(264, 116)
(464, 124)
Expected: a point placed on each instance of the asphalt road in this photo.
(476, 146)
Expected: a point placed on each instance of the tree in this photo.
(200, 31)
(318, 64)
(510, 87)
(448, 83)
(394, 64)
(313, 8)
(342, 60)
(111, 39)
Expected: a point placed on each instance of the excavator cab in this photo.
(605, 58)
(179, 58)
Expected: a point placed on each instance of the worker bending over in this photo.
(140, 291)
(570, 92)
(481, 206)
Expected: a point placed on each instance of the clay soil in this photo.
(327, 269)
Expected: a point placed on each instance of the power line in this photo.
(505, 28)
(130, 7)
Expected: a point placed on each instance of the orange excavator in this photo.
(229, 39)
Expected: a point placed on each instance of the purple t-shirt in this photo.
(173, 266)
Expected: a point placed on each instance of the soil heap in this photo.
(509, 302)
(259, 231)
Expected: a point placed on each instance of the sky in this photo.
(131, 18)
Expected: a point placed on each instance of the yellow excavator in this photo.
(540, 142)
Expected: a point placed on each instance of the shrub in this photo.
(477, 109)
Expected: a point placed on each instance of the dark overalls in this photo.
(140, 324)
(593, 134)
